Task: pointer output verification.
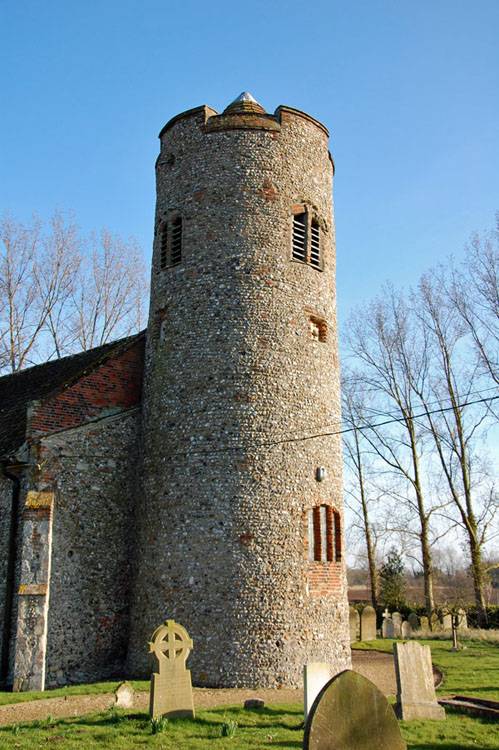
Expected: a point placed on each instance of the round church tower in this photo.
(240, 518)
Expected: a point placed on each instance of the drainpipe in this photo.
(11, 572)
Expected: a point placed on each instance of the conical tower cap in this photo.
(245, 102)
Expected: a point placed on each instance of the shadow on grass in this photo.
(442, 745)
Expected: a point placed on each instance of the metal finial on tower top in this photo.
(245, 96)
(245, 102)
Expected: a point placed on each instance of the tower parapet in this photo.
(238, 539)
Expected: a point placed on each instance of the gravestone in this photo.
(354, 620)
(350, 713)
(387, 626)
(368, 624)
(463, 620)
(315, 676)
(397, 624)
(124, 695)
(416, 697)
(254, 703)
(406, 630)
(171, 687)
(435, 624)
(424, 623)
(413, 621)
(447, 622)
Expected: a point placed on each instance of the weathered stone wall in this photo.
(92, 470)
(233, 383)
(5, 527)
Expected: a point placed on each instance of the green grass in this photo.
(271, 727)
(473, 671)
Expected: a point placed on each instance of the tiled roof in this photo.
(34, 383)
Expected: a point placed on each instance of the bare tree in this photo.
(22, 312)
(474, 290)
(56, 273)
(392, 356)
(108, 297)
(60, 293)
(357, 491)
(456, 428)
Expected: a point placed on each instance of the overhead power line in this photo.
(314, 436)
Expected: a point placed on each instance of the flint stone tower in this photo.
(238, 540)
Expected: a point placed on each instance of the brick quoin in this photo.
(116, 383)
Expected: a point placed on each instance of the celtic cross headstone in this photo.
(171, 686)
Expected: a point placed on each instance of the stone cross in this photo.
(416, 697)
(171, 687)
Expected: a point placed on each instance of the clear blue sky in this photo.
(409, 91)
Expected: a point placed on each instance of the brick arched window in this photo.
(324, 534)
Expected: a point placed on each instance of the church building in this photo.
(192, 471)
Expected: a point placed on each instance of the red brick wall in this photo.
(116, 383)
(325, 577)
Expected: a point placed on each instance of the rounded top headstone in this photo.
(350, 713)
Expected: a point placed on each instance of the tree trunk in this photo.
(371, 558)
(478, 576)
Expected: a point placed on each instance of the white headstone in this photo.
(315, 676)
(124, 695)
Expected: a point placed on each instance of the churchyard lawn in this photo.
(472, 671)
(273, 727)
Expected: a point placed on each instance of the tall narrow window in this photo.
(163, 253)
(300, 237)
(324, 534)
(315, 248)
(176, 246)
